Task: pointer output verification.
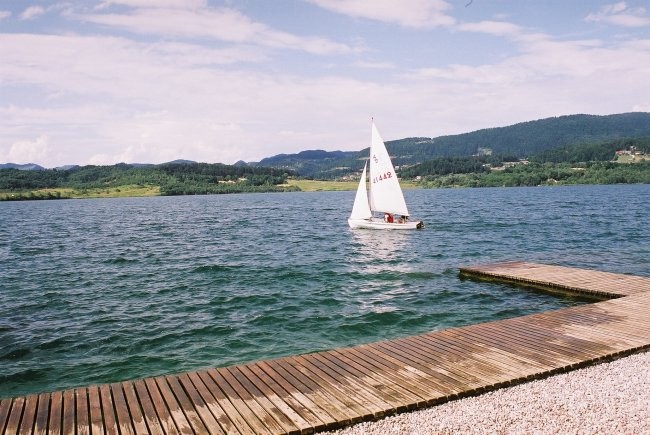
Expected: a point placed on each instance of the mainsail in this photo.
(385, 192)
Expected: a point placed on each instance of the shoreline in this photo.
(609, 397)
(50, 194)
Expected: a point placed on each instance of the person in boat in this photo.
(388, 218)
(401, 220)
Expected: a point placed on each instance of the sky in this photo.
(150, 81)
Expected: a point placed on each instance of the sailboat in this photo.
(383, 197)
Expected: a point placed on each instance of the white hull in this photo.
(379, 224)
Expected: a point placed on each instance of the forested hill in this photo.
(521, 140)
(529, 138)
(174, 178)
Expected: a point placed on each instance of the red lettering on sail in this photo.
(382, 177)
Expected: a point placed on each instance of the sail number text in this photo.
(384, 176)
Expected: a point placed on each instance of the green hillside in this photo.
(166, 179)
(521, 140)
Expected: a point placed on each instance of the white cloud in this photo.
(32, 12)
(28, 151)
(147, 102)
(407, 13)
(105, 99)
(375, 65)
(4, 14)
(155, 102)
(165, 4)
(221, 24)
(499, 28)
(621, 15)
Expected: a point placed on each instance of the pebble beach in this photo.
(608, 398)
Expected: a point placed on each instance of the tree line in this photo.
(537, 174)
(172, 178)
(583, 163)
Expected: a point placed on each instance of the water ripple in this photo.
(98, 291)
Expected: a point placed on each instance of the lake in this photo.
(97, 291)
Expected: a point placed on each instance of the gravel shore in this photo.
(608, 398)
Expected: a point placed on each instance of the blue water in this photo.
(96, 291)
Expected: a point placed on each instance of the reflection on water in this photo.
(380, 255)
(378, 247)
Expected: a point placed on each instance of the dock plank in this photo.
(254, 393)
(42, 414)
(343, 386)
(29, 414)
(162, 412)
(108, 410)
(202, 410)
(134, 410)
(286, 414)
(338, 407)
(413, 393)
(373, 381)
(292, 400)
(56, 412)
(15, 415)
(350, 382)
(69, 406)
(175, 410)
(302, 403)
(95, 410)
(82, 423)
(186, 405)
(205, 397)
(124, 420)
(5, 408)
(324, 390)
(149, 413)
(242, 405)
(225, 403)
(264, 415)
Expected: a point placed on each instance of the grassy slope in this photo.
(316, 185)
(113, 192)
(128, 191)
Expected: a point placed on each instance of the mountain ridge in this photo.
(520, 140)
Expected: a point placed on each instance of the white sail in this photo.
(385, 192)
(384, 195)
(361, 209)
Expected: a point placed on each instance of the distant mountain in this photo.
(520, 140)
(527, 138)
(25, 167)
(180, 162)
(306, 163)
(66, 167)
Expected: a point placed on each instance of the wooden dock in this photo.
(325, 390)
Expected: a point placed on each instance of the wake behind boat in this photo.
(383, 197)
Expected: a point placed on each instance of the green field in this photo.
(67, 193)
(317, 185)
(138, 190)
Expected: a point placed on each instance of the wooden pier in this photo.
(325, 390)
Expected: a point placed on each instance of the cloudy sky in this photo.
(108, 81)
